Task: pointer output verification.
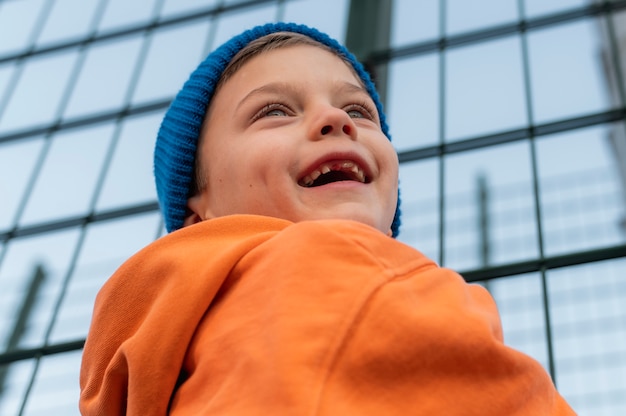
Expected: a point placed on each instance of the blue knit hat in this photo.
(175, 151)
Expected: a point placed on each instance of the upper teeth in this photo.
(343, 166)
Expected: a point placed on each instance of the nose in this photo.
(333, 122)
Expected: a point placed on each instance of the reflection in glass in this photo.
(581, 195)
(414, 21)
(484, 89)
(17, 161)
(565, 71)
(588, 309)
(17, 19)
(65, 186)
(489, 212)
(413, 102)
(51, 253)
(56, 389)
(130, 177)
(335, 24)
(465, 16)
(103, 81)
(107, 245)
(419, 190)
(122, 13)
(168, 65)
(520, 303)
(68, 20)
(38, 92)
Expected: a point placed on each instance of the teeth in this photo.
(345, 166)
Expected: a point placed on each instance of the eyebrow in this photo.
(284, 88)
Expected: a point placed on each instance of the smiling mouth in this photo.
(334, 171)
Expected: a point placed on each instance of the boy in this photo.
(283, 292)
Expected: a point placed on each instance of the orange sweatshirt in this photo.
(247, 315)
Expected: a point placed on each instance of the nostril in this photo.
(326, 129)
(346, 129)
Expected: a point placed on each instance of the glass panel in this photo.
(542, 7)
(520, 303)
(17, 379)
(312, 13)
(611, 76)
(103, 81)
(588, 311)
(179, 7)
(130, 177)
(414, 21)
(17, 161)
(66, 183)
(37, 96)
(17, 19)
(107, 245)
(232, 23)
(6, 72)
(581, 194)
(168, 65)
(566, 74)
(56, 388)
(123, 13)
(51, 253)
(465, 16)
(413, 102)
(496, 181)
(68, 19)
(419, 192)
(484, 89)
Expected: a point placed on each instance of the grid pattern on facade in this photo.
(501, 115)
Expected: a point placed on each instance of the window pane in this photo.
(419, 192)
(17, 19)
(103, 81)
(520, 303)
(15, 385)
(581, 195)
(168, 65)
(107, 245)
(566, 77)
(67, 20)
(56, 388)
(66, 183)
(52, 254)
(6, 72)
(130, 177)
(232, 23)
(496, 181)
(464, 16)
(588, 311)
(178, 7)
(413, 101)
(37, 96)
(17, 161)
(484, 89)
(308, 12)
(124, 13)
(542, 7)
(414, 21)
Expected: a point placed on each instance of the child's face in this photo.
(275, 128)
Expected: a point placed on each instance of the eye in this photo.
(361, 111)
(271, 110)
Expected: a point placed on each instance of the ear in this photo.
(196, 210)
(191, 218)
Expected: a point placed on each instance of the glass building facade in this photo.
(508, 117)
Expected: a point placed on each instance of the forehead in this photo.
(297, 63)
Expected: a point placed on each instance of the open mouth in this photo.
(334, 171)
